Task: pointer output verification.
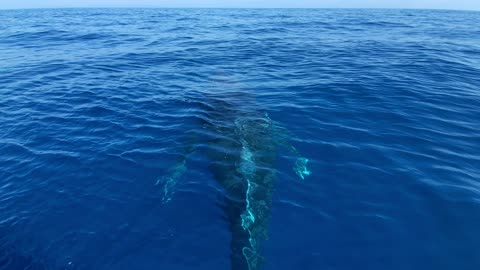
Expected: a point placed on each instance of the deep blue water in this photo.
(98, 107)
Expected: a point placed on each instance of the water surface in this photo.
(94, 105)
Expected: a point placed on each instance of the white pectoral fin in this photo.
(301, 167)
(169, 182)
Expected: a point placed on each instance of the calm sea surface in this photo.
(173, 139)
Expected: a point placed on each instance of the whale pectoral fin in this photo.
(301, 167)
(283, 137)
(169, 182)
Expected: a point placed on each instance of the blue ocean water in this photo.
(118, 127)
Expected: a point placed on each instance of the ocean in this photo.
(239, 139)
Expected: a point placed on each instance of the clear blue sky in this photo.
(440, 4)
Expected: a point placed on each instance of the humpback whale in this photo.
(243, 142)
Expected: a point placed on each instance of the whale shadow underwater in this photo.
(242, 147)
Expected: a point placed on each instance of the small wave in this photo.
(96, 105)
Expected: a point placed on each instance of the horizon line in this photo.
(171, 7)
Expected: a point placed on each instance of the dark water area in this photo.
(174, 139)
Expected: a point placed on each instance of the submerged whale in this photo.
(242, 148)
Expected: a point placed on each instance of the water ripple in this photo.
(97, 105)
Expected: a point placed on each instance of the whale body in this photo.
(242, 161)
(242, 148)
